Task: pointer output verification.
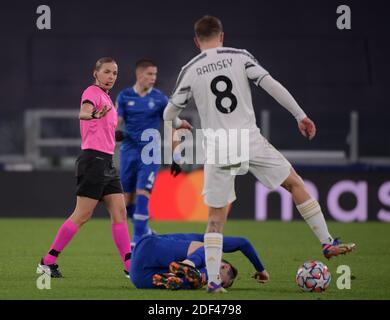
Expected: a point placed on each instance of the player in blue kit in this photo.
(177, 261)
(140, 108)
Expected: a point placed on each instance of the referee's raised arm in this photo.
(88, 112)
(96, 177)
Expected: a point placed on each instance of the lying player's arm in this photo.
(232, 244)
(89, 112)
(281, 95)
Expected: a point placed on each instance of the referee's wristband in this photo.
(93, 114)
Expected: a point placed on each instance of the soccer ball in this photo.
(313, 276)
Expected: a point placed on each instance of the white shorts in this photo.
(266, 163)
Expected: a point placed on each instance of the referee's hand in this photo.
(175, 169)
(101, 113)
(119, 135)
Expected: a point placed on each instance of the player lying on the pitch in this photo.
(177, 261)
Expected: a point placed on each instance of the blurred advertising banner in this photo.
(353, 196)
(343, 196)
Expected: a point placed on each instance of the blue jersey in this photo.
(153, 254)
(140, 113)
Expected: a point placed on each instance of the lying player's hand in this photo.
(119, 135)
(307, 128)
(185, 125)
(175, 169)
(261, 277)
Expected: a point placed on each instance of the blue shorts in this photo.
(152, 255)
(134, 173)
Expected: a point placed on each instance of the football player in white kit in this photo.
(219, 81)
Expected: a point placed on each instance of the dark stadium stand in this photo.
(330, 72)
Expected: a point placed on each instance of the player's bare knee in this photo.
(215, 225)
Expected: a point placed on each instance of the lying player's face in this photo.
(106, 75)
(225, 273)
(147, 77)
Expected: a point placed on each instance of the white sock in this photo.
(213, 252)
(311, 212)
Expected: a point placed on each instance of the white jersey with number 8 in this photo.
(218, 80)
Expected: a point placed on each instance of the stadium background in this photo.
(340, 77)
(330, 72)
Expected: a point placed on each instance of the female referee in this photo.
(97, 178)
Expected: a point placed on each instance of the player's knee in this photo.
(215, 225)
(216, 220)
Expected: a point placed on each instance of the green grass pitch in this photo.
(92, 268)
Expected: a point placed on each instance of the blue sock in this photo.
(140, 217)
(130, 210)
(198, 257)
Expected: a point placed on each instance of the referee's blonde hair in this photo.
(100, 63)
